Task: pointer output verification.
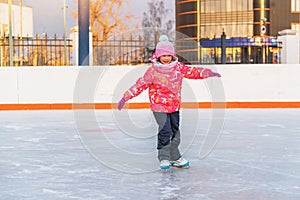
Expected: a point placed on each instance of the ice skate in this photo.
(165, 165)
(180, 163)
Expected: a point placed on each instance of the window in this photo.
(209, 7)
(296, 27)
(223, 6)
(295, 5)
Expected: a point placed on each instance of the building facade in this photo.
(249, 29)
(284, 15)
(22, 22)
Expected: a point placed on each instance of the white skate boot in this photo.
(181, 163)
(165, 165)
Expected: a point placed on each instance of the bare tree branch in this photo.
(106, 18)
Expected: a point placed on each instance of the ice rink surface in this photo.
(104, 154)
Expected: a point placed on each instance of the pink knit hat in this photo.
(164, 47)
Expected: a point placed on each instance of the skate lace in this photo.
(181, 161)
(165, 162)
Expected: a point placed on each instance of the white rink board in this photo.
(105, 84)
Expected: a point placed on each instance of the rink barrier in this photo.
(185, 105)
(101, 87)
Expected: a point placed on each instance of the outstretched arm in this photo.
(141, 84)
(196, 72)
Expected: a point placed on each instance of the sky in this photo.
(48, 14)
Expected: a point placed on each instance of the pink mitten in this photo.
(211, 74)
(121, 103)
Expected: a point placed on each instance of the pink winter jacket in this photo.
(165, 85)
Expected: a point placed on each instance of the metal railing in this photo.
(132, 50)
(36, 51)
(122, 51)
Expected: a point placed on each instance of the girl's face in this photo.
(165, 59)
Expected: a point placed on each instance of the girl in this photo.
(164, 80)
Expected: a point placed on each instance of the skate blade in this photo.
(181, 167)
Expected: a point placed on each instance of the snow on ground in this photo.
(106, 154)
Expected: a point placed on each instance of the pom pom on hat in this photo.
(163, 38)
(164, 47)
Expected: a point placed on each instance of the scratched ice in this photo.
(43, 156)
